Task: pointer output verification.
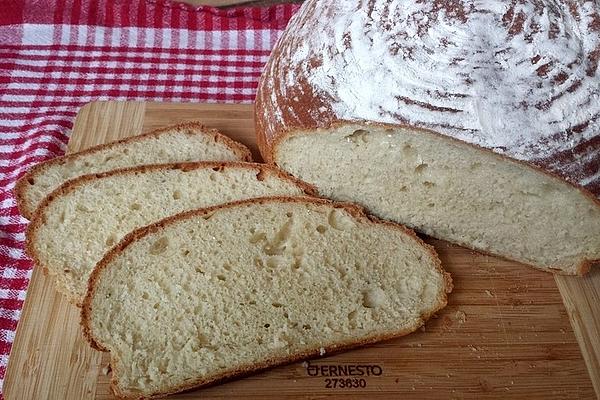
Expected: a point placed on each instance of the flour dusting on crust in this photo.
(519, 77)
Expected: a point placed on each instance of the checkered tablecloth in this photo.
(57, 55)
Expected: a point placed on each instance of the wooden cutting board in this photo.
(505, 334)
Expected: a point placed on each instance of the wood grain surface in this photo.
(505, 334)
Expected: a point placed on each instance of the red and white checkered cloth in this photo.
(57, 55)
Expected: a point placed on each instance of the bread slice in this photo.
(452, 191)
(189, 141)
(212, 294)
(81, 220)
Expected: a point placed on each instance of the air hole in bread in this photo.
(198, 269)
(261, 175)
(160, 246)
(135, 206)
(421, 168)
(373, 297)
(428, 184)
(176, 195)
(358, 136)
(321, 229)
(408, 150)
(62, 217)
(403, 188)
(267, 325)
(227, 267)
(341, 270)
(277, 305)
(111, 240)
(145, 296)
(218, 169)
(337, 219)
(273, 250)
(221, 277)
(186, 253)
(31, 181)
(306, 327)
(257, 237)
(108, 158)
(297, 263)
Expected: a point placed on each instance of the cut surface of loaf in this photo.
(81, 220)
(464, 120)
(212, 294)
(452, 191)
(189, 141)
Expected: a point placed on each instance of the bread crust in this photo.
(71, 185)
(195, 127)
(356, 211)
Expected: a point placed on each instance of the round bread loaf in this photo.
(476, 122)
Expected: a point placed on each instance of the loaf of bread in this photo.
(212, 294)
(474, 122)
(82, 219)
(188, 141)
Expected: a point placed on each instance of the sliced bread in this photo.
(212, 294)
(80, 221)
(189, 141)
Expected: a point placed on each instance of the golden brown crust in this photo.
(351, 208)
(194, 128)
(71, 185)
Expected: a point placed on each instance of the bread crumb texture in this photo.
(81, 225)
(179, 143)
(452, 191)
(208, 295)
